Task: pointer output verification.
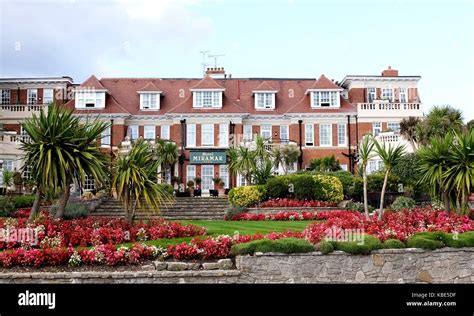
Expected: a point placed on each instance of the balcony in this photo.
(19, 111)
(389, 109)
(10, 143)
(393, 139)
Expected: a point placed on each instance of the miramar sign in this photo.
(208, 157)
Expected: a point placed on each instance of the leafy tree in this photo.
(166, 154)
(285, 156)
(408, 130)
(241, 160)
(390, 156)
(325, 164)
(440, 121)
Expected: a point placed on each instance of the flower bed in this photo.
(394, 225)
(296, 203)
(287, 216)
(91, 231)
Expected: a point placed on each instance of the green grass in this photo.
(215, 228)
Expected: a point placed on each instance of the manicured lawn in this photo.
(216, 228)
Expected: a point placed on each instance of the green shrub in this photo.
(402, 202)
(328, 188)
(426, 241)
(234, 210)
(23, 201)
(277, 187)
(303, 186)
(347, 179)
(326, 247)
(356, 248)
(355, 206)
(247, 195)
(168, 188)
(7, 206)
(284, 245)
(393, 244)
(375, 182)
(72, 211)
(325, 164)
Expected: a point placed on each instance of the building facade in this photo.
(206, 116)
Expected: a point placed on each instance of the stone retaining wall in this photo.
(447, 265)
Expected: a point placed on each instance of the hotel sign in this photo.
(208, 158)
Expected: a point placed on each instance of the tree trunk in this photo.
(36, 204)
(413, 145)
(134, 208)
(382, 194)
(63, 200)
(125, 205)
(366, 202)
(446, 202)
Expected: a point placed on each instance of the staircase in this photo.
(184, 208)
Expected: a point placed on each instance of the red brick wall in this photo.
(357, 95)
(334, 135)
(118, 134)
(12, 127)
(276, 132)
(316, 134)
(198, 134)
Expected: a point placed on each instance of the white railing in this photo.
(14, 138)
(388, 138)
(22, 107)
(389, 106)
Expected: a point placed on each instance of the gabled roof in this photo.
(92, 82)
(324, 83)
(207, 83)
(264, 86)
(150, 86)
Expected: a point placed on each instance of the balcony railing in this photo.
(389, 109)
(389, 106)
(14, 138)
(22, 107)
(388, 138)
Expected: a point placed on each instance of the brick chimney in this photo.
(390, 72)
(218, 72)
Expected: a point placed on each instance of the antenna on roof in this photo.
(215, 58)
(204, 64)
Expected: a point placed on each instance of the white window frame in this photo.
(48, 95)
(329, 134)
(247, 130)
(311, 134)
(376, 126)
(286, 139)
(149, 101)
(133, 132)
(105, 137)
(371, 94)
(190, 135)
(165, 131)
(8, 165)
(5, 96)
(213, 98)
(32, 96)
(340, 133)
(396, 130)
(89, 183)
(333, 98)
(224, 175)
(264, 100)
(207, 134)
(223, 135)
(149, 130)
(264, 129)
(85, 98)
(387, 96)
(404, 92)
(191, 173)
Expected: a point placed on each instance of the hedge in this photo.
(284, 245)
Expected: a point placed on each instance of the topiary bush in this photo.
(328, 188)
(393, 244)
(429, 241)
(284, 245)
(247, 195)
(358, 248)
(277, 187)
(303, 186)
(326, 247)
(403, 202)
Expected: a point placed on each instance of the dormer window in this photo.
(149, 101)
(264, 100)
(90, 100)
(207, 99)
(325, 98)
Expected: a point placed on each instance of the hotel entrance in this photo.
(211, 164)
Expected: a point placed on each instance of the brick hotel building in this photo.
(205, 116)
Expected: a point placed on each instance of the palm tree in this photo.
(60, 150)
(242, 160)
(408, 130)
(460, 173)
(440, 121)
(365, 154)
(390, 156)
(167, 154)
(285, 156)
(134, 180)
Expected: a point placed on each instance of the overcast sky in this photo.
(278, 38)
